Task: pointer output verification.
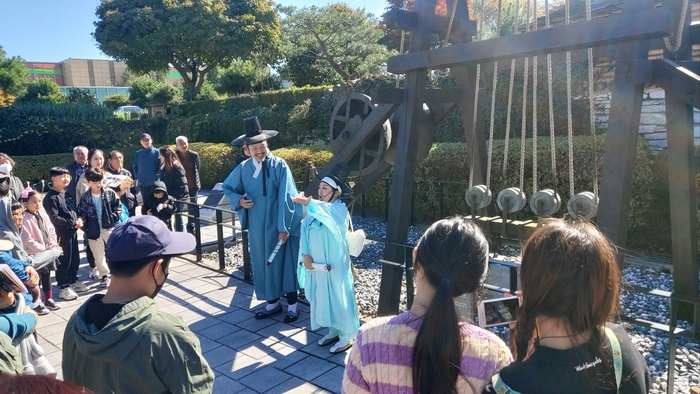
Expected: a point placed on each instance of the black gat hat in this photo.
(253, 133)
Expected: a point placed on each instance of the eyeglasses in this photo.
(17, 213)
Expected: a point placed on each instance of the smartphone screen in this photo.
(498, 311)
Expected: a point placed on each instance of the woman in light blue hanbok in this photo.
(324, 271)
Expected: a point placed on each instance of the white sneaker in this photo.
(105, 281)
(67, 294)
(328, 339)
(94, 274)
(341, 346)
(79, 287)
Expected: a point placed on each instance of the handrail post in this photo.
(220, 239)
(197, 232)
(441, 199)
(246, 255)
(409, 277)
(386, 199)
(672, 323)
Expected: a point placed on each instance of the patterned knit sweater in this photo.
(380, 359)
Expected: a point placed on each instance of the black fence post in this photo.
(246, 255)
(441, 199)
(386, 199)
(220, 239)
(413, 204)
(197, 232)
(409, 277)
(363, 212)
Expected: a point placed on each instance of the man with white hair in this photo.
(76, 168)
(190, 161)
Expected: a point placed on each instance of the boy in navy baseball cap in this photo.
(120, 341)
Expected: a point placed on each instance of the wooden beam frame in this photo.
(680, 82)
(623, 132)
(620, 28)
(395, 96)
(410, 20)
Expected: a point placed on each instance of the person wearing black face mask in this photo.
(156, 353)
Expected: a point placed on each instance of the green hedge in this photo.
(449, 163)
(297, 113)
(36, 129)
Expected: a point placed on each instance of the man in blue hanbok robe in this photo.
(260, 190)
(326, 273)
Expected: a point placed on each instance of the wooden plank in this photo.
(409, 20)
(395, 95)
(621, 140)
(682, 93)
(642, 25)
(681, 83)
(404, 169)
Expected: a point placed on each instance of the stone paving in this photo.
(247, 355)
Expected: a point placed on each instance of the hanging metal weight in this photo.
(583, 206)
(478, 197)
(545, 202)
(346, 119)
(511, 200)
(425, 136)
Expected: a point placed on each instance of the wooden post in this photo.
(682, 167)
(623, 132)
(404, 169)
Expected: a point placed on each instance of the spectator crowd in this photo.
(119, 341)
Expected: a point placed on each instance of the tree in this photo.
(192, 36)
(43, 90)
(76, 95)
(13, 77)
(346, 40)
(244, 76)
(142, 88)
(114, 101)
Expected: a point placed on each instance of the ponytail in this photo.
(437, 354)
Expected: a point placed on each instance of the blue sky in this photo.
(52, 31)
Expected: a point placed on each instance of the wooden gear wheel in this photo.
(346, 119)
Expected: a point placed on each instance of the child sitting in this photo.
(100, 209)
(160, 204)
(38, 235)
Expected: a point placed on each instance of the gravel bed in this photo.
(653, 344)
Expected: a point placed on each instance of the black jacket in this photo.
(197, 164)
(111, 210)
(61, 210)
(150, 203)
(175, 181)
(72, 167)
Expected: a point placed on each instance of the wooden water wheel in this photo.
(346, 119)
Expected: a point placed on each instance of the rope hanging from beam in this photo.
(476, 100)
(552, 136)
(523, 126)
(679, 34)
(569, 119)
(494, 84)
(591, 109)
(534, 107)
(516, 26)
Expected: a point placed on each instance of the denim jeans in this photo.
(181, 207)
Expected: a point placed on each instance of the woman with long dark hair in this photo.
(563, 341)
(427, 349)
(172, 173)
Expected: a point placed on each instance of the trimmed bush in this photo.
(35, 129)
(297, 113)
(448, 163)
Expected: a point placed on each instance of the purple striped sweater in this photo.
(380, 359)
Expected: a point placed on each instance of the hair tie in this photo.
(445, 281)
(25, 192)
